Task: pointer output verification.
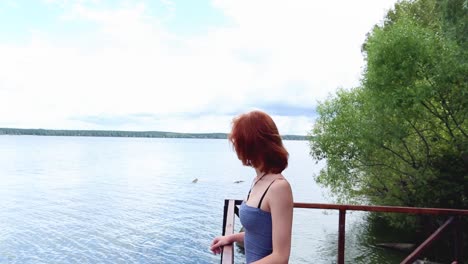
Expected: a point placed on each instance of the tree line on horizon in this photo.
(119, 133)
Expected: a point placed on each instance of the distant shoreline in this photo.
(119, 133)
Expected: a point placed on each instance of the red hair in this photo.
(258, 143)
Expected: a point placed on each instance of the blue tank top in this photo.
(258, 230)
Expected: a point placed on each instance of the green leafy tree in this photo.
(401, 138)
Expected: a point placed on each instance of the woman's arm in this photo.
(220, 241)
(281, 205)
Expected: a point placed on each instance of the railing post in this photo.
(227, 253)
(458, 240)
(225, 210)
(341, 236)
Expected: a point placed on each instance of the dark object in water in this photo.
(406, 247)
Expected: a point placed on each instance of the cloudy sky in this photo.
(176, 65)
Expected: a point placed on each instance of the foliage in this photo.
(401, 138)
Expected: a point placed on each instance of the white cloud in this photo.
(293, 52)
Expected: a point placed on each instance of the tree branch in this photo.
(426, 145)
(397, 154)
(413, 160)
(436, 114)
(450, 114)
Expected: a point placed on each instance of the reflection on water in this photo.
(360, 241)
(132, 200)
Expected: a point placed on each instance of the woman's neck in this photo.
(259, 173)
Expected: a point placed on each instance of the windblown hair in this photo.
(258, 143)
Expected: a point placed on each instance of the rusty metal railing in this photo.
(231, 210)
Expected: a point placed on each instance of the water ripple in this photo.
(107, 200)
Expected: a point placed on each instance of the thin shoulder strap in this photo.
(253, 184)
(263, 196)
(251, 187)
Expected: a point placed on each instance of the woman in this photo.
(267, 212)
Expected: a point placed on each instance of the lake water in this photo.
(132, 200)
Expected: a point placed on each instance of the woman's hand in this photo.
(218, 243)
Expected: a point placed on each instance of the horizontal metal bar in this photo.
(388, 209)
(379, 208)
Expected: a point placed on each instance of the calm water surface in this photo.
(132, 200)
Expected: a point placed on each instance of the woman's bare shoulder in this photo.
(281, 182)
(281, 188)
